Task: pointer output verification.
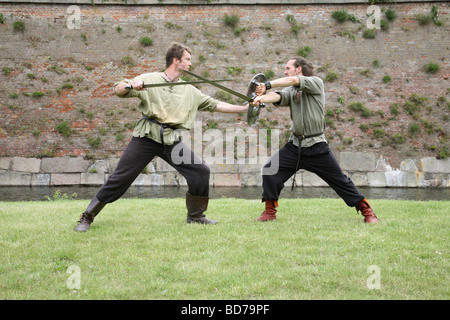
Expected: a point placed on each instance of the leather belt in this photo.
(300, 138)
(161, 132)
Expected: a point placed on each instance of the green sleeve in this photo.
(285, 100)
(131, 93)
(313, 85)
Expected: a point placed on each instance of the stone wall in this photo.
(365, 169)
(52, 74)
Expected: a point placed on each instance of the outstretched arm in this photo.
(277, 83)
(270, 97)
(120, 89)
(230, 108)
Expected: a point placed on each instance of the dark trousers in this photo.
(138, 154)
(317, 159)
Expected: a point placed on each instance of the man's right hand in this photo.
(137, 85)
(256, 101)
(261, 89)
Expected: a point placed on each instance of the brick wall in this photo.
(75, 68)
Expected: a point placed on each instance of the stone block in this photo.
(395, 178)
(65, 165)
(30, 165)
(312, 180)
(382, 165)
(173, 179)
(65, 179)
(224, 168)
(251, 180)
(92, 179)
(99, 166)
(10, 178)
(421, 181)
(250, 168)
(226, 180)
(360, 179)
(161, 166)
(408, 165)
(411, 179)
(5, 163)
(147, 180)
(40, 179)
(358, 161)
(376, 179)
(112, 164)
(435, 165)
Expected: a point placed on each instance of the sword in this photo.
(166, 84)
(213, 82)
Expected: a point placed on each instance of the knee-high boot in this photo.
(270, 212)
(196, 205)
(366, 211)
(88, 216)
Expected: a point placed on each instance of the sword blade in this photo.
(152, 85)
(169, 84)
(235, 93)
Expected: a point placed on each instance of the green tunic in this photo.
(307, 105)
(176, 106)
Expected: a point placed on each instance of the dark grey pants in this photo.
(317, 159)
(138, 154)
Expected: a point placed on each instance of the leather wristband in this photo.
(267, 84)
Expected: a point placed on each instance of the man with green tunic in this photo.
(164, 109)
(307, 148)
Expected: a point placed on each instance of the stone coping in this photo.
(204, 2)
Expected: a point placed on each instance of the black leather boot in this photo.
(88, 216)
(196, 205)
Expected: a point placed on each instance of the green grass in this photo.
(143, 249)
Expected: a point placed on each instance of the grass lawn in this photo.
(143, 249)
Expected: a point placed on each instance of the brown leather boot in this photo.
(270, 212)
(196, 205)
(88, 216)
(366, 211)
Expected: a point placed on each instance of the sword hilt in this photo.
(130, 86)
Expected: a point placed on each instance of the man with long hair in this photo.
(307, 148)
(164, 109)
